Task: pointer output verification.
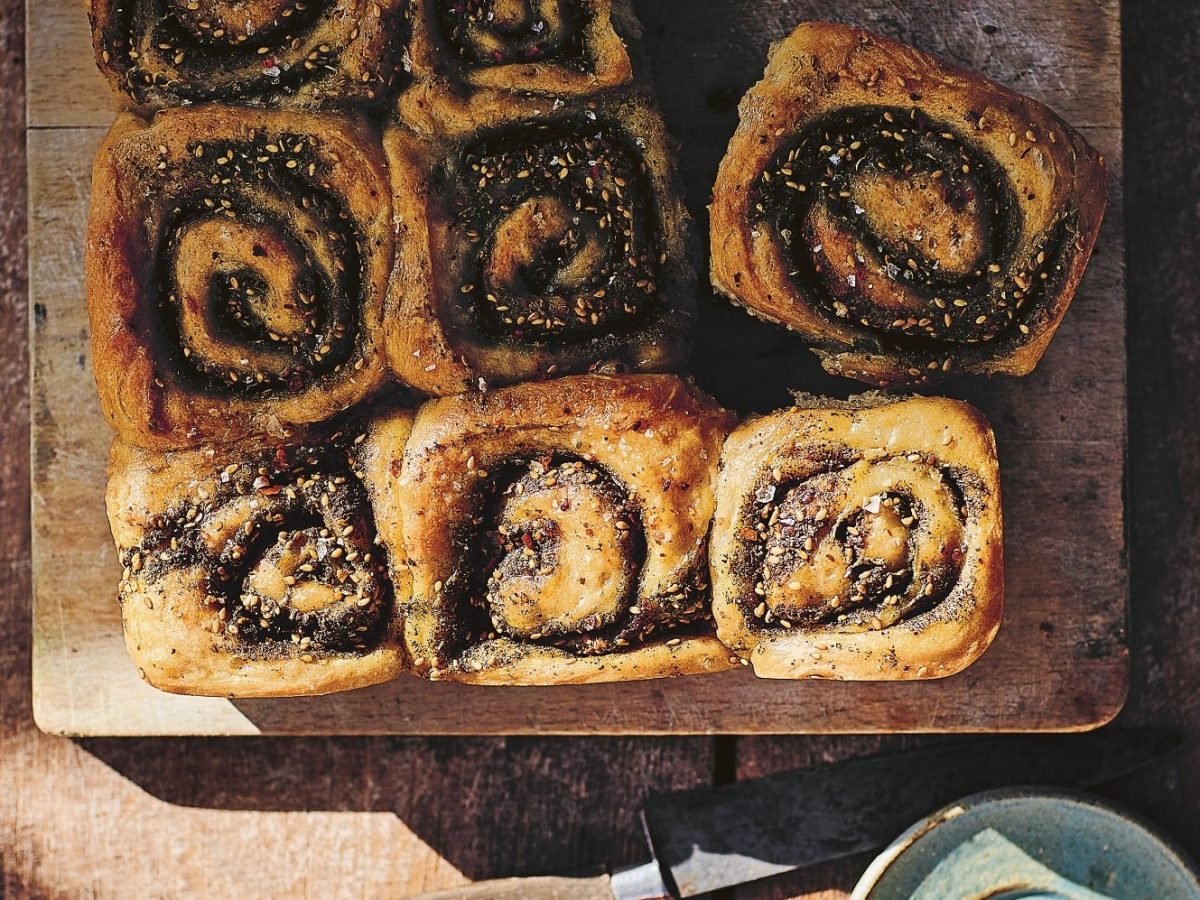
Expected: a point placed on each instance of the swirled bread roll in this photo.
(237, 263)
(907, 218)
(549, 47)
(534, 239)
(303, 53)
(859, 540)
(556, 531)
(252, 570)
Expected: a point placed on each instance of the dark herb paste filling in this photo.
(282, 302)
(814, 184)
(559, 232)
(881, 558)
(206, 53)
(480, 34)
(498, 548)
(286, 547)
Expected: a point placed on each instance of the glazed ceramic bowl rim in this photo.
(880, 866)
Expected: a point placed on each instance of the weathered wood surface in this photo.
(1060, 661)
(290, 816)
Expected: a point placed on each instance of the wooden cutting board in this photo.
(1061, 659)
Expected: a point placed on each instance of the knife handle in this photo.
(547, 887)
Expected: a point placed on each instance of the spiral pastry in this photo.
(907, 218)
(556, 531)
(556, 47)
(534, 246)
(236, 272)
(859, 539)
(302, 53)
(253, 570)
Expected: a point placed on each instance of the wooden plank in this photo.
(1061, 659)
(371, 817)
(63, 87)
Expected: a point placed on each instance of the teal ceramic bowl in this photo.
(1027, 843)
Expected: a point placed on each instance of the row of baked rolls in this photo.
(570, 531)
(353, 53)
(543, 534)
(251, 271)
(907, 218)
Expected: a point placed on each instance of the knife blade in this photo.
(708, 838)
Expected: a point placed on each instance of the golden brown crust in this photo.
(205, 228)
(252, 571)
(527, 272)
(317, 55)
(859, 540)
(842, 210)
(556, 47)
(503, 661)
(556, 531)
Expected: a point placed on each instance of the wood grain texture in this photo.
(75, 819)
(1060, 661)
(64, 89)
(541, 888)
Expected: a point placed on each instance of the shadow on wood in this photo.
(492, 807)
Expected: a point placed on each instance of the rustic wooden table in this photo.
(372, 816)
